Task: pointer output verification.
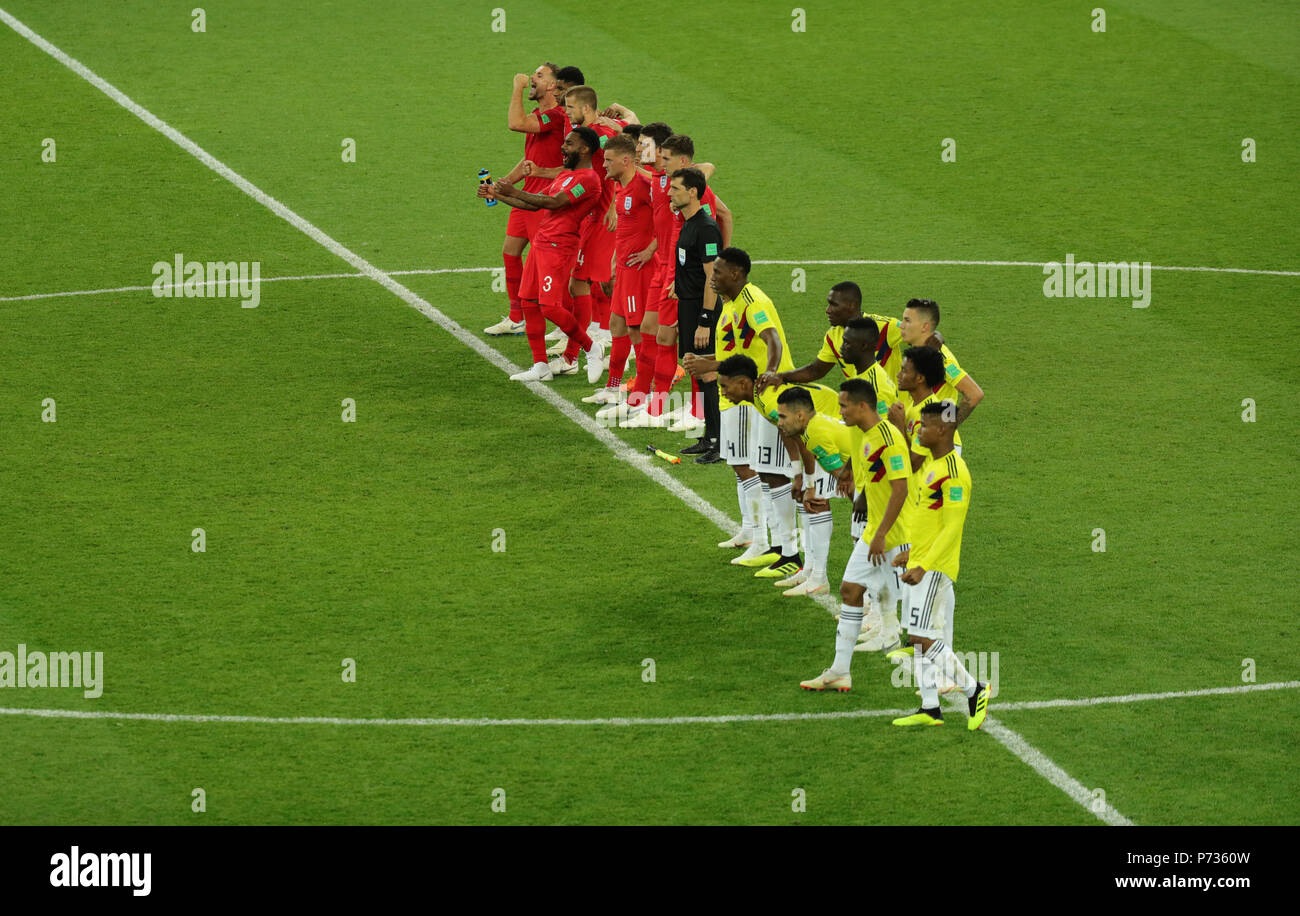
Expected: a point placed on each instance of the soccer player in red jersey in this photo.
(679, 153)
(570, 197)
(596, 248)
(634, 248)
(544, 130)
(647, 354)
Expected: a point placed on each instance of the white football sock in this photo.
(925, 664)
(846, 636)
(819, 543)
(782, 519)
(951, 666)
(751, 508)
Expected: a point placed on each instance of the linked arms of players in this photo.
(524, 200)
(809, 373)
(702, 365)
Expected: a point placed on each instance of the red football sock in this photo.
(565, 321)
(665, 368)
(535, 328)
(514, 271)
(647, 352)
(697, 403)
(582, 315)
(618, 351)
(599, 306)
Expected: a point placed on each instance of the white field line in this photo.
(259, 280)
(951, 263)
(1143, 697)
(621, 721)
(1006, 737)
(469, 270)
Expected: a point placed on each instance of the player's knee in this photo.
(851, 593)
(513, 246)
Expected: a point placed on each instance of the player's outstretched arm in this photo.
(969, 394)
(809, 373)
(525, 200)
(699, 366)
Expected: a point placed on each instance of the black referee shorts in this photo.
(688, 321)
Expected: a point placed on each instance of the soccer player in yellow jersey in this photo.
(843, 304)
(918, 328)
(852, 346)
(939, 500)
(860, 362)
(869, 575)
(826, 403)
(843, 307)
(826, 452)
(747, 326)
(775, 458)
(920, 382)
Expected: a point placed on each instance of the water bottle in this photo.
(485, 178)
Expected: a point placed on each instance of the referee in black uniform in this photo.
(698, 246)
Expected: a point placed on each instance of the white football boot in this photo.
(540, 372)
(505, 326)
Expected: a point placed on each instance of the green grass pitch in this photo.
(373, 540)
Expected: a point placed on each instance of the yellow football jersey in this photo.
(941, 492)
(825, 400)
(882, 457)
(829, 442)
(886, 391)
(914, 419)
(890, 346)
(740, 327)
(952, 375)
(832, 351)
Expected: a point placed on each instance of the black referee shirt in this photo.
(699, 243)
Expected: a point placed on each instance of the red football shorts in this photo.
(632, 292)
(595, 251)
(546, 274)
(523, 223)
(660, 301)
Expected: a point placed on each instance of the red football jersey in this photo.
(665, 227)
(598, 163)
(636, 226)
(561, 227)
(543, 148)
